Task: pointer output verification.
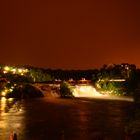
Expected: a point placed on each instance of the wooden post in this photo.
(15, 136)
(62, 135)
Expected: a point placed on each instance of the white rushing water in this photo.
(90, 92)
(85, 91)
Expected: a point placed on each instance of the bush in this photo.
(65, 90)
(25, 91)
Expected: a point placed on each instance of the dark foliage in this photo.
(65, 90)
(25, 91)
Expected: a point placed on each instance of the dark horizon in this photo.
(65, 69)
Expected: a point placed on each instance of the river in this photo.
(53, 118)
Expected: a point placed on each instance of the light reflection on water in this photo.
(45, 118)
(3, 105)
(11, 117)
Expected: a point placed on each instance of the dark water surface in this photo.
(59, 119)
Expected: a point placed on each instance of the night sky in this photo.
(74, 34)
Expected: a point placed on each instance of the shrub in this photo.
(65, 90)
(25, 91)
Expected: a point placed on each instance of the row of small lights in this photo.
(20, 71)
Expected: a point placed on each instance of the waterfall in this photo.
(85, 91)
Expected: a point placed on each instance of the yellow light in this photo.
(3, 99)
(6, 90)
(4, 72)
(10, 99)
(6, 68)
(20, 70)
(3, 93)
(26, 70)
(11, 90)
(22, 73)
(14, 71)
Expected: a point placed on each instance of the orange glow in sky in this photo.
(70, 34)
